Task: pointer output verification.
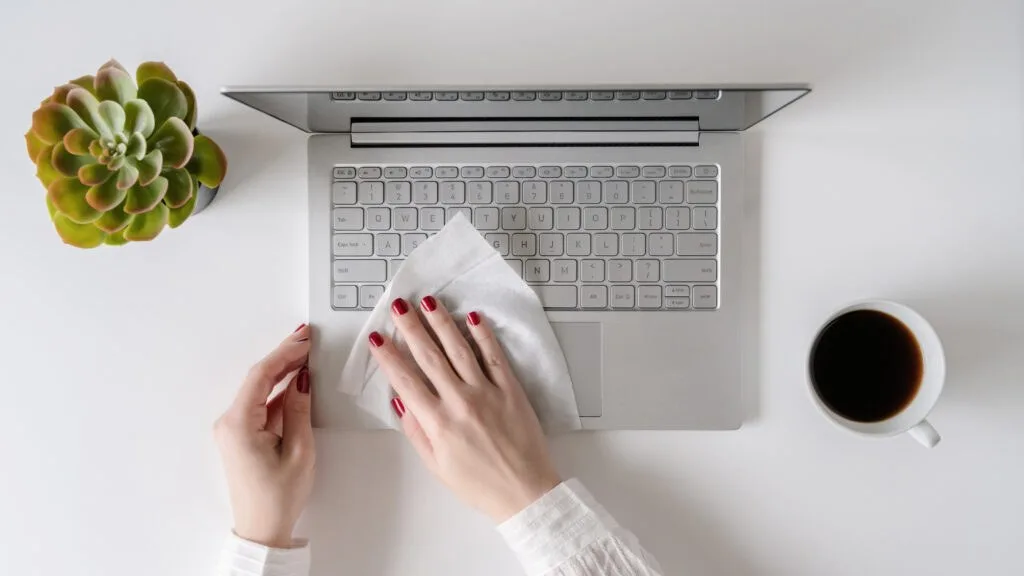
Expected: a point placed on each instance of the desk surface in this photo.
(899, 177)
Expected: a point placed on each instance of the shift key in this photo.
(689, 270)
(349, 271)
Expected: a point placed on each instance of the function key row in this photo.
(423, 172)
(544, 96)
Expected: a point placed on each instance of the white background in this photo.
(900, 176)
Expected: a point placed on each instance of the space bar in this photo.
(556, 296)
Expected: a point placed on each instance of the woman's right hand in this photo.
(477, 433)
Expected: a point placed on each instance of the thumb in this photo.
(413, 431)
(297, 426)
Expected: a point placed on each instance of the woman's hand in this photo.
(478, 432)
(267, 446)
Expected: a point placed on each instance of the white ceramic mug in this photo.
(912, 419)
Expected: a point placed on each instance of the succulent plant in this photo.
(119, 157)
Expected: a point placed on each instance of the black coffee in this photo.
(866, 366)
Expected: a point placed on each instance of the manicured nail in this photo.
(303, 384)
(301, 326)
(397, 406)
(429, 304)
(473, 318)
(376, 340)
(399, 306)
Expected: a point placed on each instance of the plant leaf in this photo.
(88, 82)
(94, 174)
(113, 114)
(178, 216)
(116, 85)
(140, 117)
(79, 235)
(190, 97)
(113, 220)
(52, 121)
(34, 144)
(179, 187)
(150, 167)
(68, 195)
(142, 199)
(112, 63)
(148, 225)
(208, 162)
(149, 70)
(175, 140)
(127, 176)
(77, 141)
(45, 171)
(67, 163)
(115, 239)
(60, 93)
(165, 99)
(50, 208)
(96, 149)
(106, 194)
(88, 108)
(136, 146)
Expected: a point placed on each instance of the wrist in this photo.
(279, 539)
(526, 494)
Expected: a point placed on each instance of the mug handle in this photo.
(925, 433)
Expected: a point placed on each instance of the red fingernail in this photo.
(399, 306)
(473, 318)
(303, 383)
(301, 326)
(376, 339)
(397, 406)
(429, 304)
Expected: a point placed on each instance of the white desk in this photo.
(900, 176)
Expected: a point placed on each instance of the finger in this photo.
(290, 354)
(495, 362)
(275, 414)
(414, 432)
(424, 350)
(405, 380)
(297, 431)
(454, 343)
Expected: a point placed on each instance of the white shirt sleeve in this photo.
(567, 533)
(244, 558)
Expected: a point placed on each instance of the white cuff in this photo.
(244, 558)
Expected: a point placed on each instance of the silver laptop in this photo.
(621, 206)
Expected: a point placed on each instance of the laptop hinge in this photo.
(524, 132)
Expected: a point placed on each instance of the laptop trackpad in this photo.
(581, 344)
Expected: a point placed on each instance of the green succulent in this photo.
(118, 156)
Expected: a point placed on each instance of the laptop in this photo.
(620, 205)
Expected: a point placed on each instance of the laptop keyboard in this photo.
(585, 237)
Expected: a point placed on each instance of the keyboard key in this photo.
(661, 244)
(616, 192)
(541, 218)
(633, 244)
(378, 219)
(513, 218)
(643, 192)
(627, 171)
(701, 191)
(398, 192)
(516, 265)
(412, 241)
(648, 270)
(622, 297)
(600, 96)
(649, 218)
(453, 192)
(344, 173)
(524, 172)
(472, 172)
(576, 96)
(353, 244)
(343, 95)
(371, 192)
(671, 191)
(387, 245)
(594, 296)
(677, 303)
(368, 173)
(575, 171)
(550, 171)
(370, 295)
(620, 270)
(465, 211)
(564, 271)
(344, 297)
(524, 244)
(705, 218)
(588, 192)
(446, 96)
(446, 172)
(421, 172)
(595, 218)
(432, 218)
(393, 267)
(691, 270)
(627, 95)
(471, 96)
(421, 96)
(549, 96)
(707, 94)
(577, 244)
(347, 218)
(623, 218)
(592, 270)
(567, 218)
(706, 171)
(480, 192)
(653, 95)
(552, 244)
(653, 171)
(561, 192)
(499, 242)
(535, 192)
(648, 297)
(406, 218)
(696, 244)
(705, 297)
(601, 172)
(524, 96)
(360, 271)
(486, 218)
(506, 192)
(606, 244)
(680, 172)
(556, 296)
(538, 271)
(343, 192)
(498, 172)
(680, 94)
(395, 96)
(395, 172)
(368, 95)
(497, 96)
(677, 218)
(677, 291)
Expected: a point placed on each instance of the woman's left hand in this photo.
(267, 446)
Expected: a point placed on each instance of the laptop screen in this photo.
(335, 111)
